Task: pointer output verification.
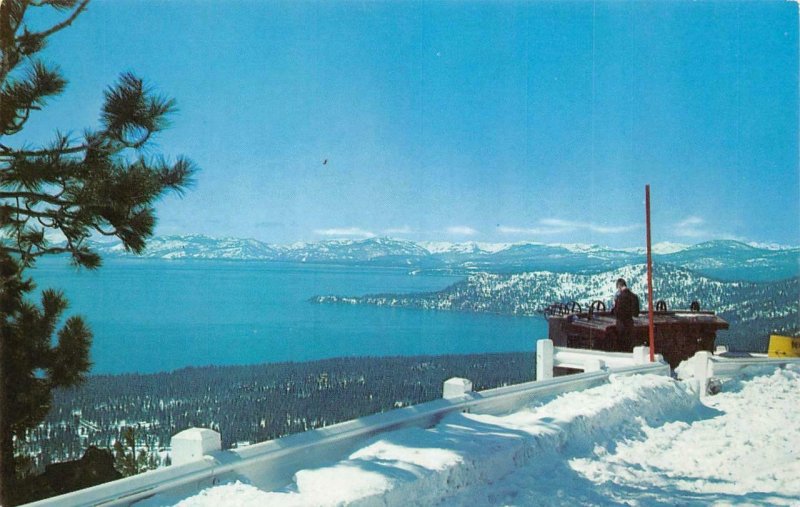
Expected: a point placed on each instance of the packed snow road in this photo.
(640, 440)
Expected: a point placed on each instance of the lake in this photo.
(158, 315)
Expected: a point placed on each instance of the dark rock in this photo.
(95, 467)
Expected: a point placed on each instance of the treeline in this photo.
(252, 403)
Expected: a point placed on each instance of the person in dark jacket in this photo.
(626, 307)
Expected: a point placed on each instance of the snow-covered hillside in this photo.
(640, 440)
(754, 310)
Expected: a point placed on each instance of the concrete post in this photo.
(544, 359)
(641, 355)
(702, 364)
(192, 444)
(456, 388)
(593, 364)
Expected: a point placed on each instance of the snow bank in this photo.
(748, 452)
(637, 440)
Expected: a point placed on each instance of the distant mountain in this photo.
(559, 258)
(731, 260)
(383, 251)
(754, 310)
(664, 247)
(728, 259)
(196, 246)
(471, 247)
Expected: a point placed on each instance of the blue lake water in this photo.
(156, 315)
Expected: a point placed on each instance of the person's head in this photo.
(621, 284)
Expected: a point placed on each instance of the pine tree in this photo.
(129, 462)
(141, 461)
(32, 365)
(98, 183)
(125, 452)
(153, 461)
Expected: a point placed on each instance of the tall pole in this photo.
(649, 277)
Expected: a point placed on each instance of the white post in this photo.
(456, 388)
(194, 443)
(702, 363)
(593, 364)
(544, 359)
(641, 355)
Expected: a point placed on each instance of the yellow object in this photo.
(783, 346)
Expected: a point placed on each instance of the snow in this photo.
(440, 247)
(745, 451)
(639, 440)
(581, 247)
(771, 246)
(662, 248)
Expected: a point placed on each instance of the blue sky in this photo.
(459, 121)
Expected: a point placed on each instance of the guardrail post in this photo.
(641, 355)
(702, 367)
(192, 444)
(456, 388)
(544, 359)
(593, 364)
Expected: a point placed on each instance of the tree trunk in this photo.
(7, 473)
(8, 476)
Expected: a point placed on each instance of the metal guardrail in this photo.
(579, 358)
(272, 464)
(729, 366)
(704, 366)
(549, 357)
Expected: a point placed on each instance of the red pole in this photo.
(649, 276)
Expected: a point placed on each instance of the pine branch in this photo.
(11, 14)
(59, 216)
(99, 229)
(132, 114)
(71, 355)
(5, 151)
(52, 250)
(56, 4)
(60, 26)
(19, 98)
(36, 197)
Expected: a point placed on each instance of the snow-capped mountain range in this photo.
(726, 259)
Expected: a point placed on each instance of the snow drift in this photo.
(637, 440)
